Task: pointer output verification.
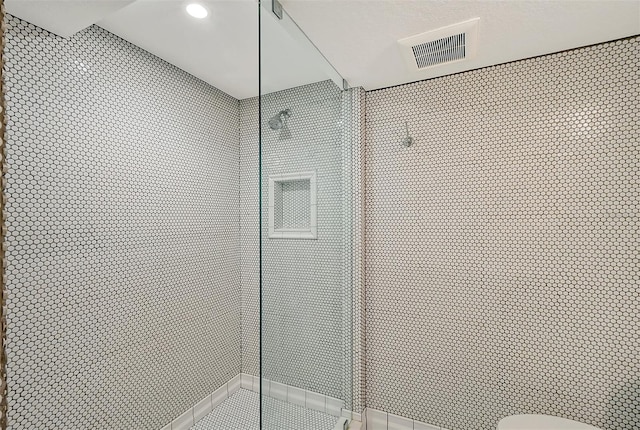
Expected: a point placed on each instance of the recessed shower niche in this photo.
(292, 206)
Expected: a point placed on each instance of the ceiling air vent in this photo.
(439, 51)
(442, 46)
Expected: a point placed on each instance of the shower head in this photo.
(277, 122)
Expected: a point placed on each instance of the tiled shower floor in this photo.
(240, 412)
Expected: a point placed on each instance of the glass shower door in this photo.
(306, 337)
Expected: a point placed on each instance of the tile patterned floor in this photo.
(240, 412)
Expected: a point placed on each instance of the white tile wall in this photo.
(130, 229)
(521, 118)
(502, 265)
(353, 142)
(307, 342)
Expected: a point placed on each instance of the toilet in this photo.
(541, 422)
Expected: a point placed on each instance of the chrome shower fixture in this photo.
(277, 122)
(408, 140)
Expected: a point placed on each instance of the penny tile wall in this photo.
(502, 247)
(306, 329)
(123, 272)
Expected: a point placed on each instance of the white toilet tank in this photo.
(541, 422)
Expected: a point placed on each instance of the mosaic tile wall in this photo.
(353, 140)
(502, 247)
(305, 288)
(123, 272)
(3, 153)
(295, 198)
(249, 235)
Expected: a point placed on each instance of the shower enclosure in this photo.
(309, 259)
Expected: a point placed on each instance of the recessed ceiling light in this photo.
(197, 10)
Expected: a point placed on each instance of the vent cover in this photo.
(439, 51)
(442, 46)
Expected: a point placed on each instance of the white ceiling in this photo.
(359, 37)
(63, 18)
(221, 49)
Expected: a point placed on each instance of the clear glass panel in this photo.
(308, 229)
